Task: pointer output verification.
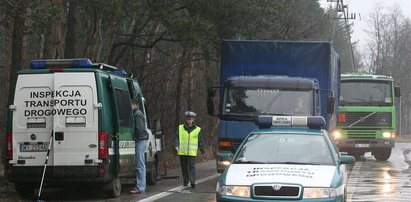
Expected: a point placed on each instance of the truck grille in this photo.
(277, 191)
(362, 134)
(357, 119)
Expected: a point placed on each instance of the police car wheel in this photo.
(26, 191)
(113, 187)
(152, 174)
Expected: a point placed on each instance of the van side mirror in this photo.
(157, 129)
(397, 91)
(330, 105)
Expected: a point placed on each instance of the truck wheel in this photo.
(113, 188)
(26, 191)
(382, 154)
(152, 174)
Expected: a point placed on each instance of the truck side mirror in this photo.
(397, 91)
(330, 105)
(157, 129)
(211, 101)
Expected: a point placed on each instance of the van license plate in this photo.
(362, 145)
(33, 147)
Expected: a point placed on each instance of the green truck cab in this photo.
(77, 114)
(367, 115)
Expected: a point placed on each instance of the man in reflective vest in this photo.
(188, 140)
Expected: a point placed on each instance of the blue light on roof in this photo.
(84, 62)
(120, 72)
(38, 64)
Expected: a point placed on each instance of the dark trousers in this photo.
(188, 169)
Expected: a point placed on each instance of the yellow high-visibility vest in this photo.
(188, 141)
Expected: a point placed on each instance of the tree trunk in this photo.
(70, 38)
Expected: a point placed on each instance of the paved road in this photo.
(369, 180)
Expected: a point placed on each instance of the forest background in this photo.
(173, 47)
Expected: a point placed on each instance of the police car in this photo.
(294, 161)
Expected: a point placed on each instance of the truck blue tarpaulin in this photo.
(276, 78)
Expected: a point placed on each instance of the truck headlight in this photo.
(388, 134)
(336, 134)
(240, 191)
(319, 193)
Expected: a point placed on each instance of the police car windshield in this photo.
(285, 149)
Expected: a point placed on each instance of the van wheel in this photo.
(26, 191)
(382, 154)
(152, 174)
(113, 188)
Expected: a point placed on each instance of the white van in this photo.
(86, 108)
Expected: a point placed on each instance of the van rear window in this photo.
(124, 108)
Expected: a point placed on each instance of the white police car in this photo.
(296, 161)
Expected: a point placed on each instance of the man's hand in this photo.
(176, 148)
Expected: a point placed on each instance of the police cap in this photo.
(190, 114)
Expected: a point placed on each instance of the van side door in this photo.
(124, 144)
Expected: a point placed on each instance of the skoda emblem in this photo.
(33, 137)
(276, 187)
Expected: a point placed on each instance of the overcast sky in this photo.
(364, 8)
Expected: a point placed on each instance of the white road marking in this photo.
(352, 180)
(177, 189)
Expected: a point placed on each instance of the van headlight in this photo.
(319, 193)
(240, 191)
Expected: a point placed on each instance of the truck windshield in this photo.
(254, 101)
(364, 93)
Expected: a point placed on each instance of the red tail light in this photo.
(341, 118)
(103, 144)
(9, 140)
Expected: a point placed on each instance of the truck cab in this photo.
(367, 118)
(271, 78)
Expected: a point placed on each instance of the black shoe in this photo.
(193, 186)
(185, 184)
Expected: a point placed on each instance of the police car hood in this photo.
(306, 175)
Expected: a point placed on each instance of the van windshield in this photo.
(255, 101)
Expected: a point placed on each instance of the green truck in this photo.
(367, 117)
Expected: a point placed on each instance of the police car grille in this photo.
(269, 191)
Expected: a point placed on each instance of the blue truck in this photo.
(286, 78)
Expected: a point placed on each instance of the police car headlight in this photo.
(319, 192)
(240, 191)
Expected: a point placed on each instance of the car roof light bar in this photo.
(53, 63)
(265, 121)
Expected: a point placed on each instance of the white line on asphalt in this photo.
(355, 174)
(179, 188)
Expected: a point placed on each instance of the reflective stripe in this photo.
(188, 141)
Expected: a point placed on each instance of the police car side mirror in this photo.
(347, 159)
(226, 158)
(157, 129)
